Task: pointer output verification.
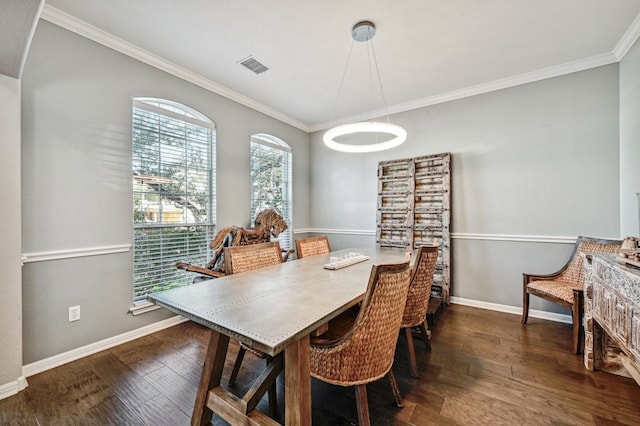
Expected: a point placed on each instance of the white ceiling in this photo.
(17, 24)
(428, 51)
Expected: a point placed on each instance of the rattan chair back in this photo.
(312, 246)
(415, 311)
(366, 352)
(414, 319)
(574, 269)
(249, 258)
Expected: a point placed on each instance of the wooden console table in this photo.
(612, 316)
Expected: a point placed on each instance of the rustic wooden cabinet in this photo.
(612, 314)
(414, 209)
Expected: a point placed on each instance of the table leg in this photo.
(297, 383)
(210, 378)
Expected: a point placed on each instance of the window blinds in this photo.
(271, 181)
(173, 193)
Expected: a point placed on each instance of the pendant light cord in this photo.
(344, 74)
(384, 100)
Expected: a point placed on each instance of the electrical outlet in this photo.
(74, 313)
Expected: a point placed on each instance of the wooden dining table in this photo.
(273, 310)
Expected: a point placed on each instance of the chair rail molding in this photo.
(454, 235)
(335, 231)
(42, 256)
(516, 238)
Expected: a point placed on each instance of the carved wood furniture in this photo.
(281, 295)
(612, 313)
(566, 286)
(365, 353)
(312, 246)
(415, 310)
(414, 209)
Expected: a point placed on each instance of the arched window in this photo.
(173, 162)
(271, 180)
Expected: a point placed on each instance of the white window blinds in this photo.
(173, 161)
(271, 181)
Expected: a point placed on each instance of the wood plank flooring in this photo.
(484, 368)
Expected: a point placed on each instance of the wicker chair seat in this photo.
(561, 290)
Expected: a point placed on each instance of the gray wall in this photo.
(630, 142)
(10, 250)
(76, 102)
(540, 159)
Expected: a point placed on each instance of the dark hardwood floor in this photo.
(484, 368)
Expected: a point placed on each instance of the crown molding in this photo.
(517, 80)
(628, 39)
(68, 22)
(75, 25)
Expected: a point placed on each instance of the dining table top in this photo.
(271, 307)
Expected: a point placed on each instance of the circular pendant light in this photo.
(364, 31)
(400, 135)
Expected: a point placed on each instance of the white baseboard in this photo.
(516, 310)
(13, 388)
(74, 354)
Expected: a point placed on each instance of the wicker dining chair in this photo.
(312, 246)
(365, 353)
(566, 286)
(240, 259)
(415, 311)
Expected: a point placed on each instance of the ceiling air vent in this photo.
(254, 65)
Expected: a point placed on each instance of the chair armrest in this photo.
(198, 269)
(527, 278)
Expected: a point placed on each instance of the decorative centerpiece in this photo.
(345, 259)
